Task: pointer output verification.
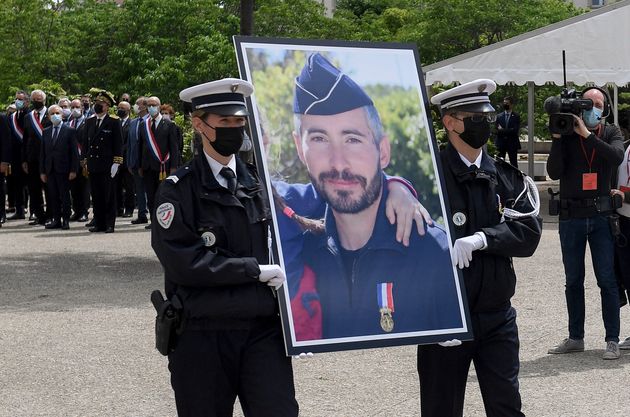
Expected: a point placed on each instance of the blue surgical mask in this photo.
(592, 117)
(19, 104)
(153, 110)
(55, 119)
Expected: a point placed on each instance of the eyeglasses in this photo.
(478, 118)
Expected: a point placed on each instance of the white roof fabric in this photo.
(597, 46)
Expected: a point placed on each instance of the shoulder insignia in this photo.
(179, 174)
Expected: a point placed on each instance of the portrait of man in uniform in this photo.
(357, 133)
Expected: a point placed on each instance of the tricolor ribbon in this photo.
(385, 295)
(37, 125)
(15, 126)
(155, 149)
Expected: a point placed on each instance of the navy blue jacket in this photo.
(59, 156)
(424, 291)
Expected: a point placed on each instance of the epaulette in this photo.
(179, 174)
(506, 166)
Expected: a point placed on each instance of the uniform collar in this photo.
(216, 168)
(458, 165)
(208, 180)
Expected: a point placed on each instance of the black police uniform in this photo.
(104, 147)
(479, 194)
(210, 244)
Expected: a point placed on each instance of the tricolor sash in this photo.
(15, 126)
(37, 125)
(155, 149)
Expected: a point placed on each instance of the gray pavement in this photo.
(76, 338)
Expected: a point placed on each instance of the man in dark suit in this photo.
(158, 151)
(16, 178)
(58, 164)
(508, 125)
(125, 196)
(34, 124)
(103, 137)
(79, 187)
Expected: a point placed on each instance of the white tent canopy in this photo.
(597, 46)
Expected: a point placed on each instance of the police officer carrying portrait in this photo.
(493, 217)
(585, 161)
(211, 234)
(102, 137)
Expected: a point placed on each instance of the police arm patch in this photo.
(165, 214)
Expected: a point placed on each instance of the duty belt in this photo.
(587, 207)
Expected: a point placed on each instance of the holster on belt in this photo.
(168, 322)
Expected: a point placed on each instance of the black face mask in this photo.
(121, 113)
(228, 139)
(98, 108)
(506, 107)
(38, 105)
(475, 134)
(86, 106)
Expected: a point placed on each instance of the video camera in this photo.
(562, 108)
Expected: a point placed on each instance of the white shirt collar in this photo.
(216, 168)
(158, 119)
(468, 163)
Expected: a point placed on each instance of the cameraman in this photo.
(584, 162)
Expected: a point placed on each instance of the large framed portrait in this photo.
(344, 143)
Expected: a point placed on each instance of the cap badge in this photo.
(234, 87)
(482, 88)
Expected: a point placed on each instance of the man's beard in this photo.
(341, 201)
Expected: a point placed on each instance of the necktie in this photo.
(153, 126)
(228, 174)
(55, 134)
(98, 123)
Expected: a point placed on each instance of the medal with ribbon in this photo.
(155, 149)
(385, 295)
(37, 125)
(15, 126)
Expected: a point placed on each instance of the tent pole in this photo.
(530, 128)
(616, 103)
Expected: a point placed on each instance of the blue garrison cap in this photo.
(321, 89)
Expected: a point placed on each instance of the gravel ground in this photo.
(76, 338)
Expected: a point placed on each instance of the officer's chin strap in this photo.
(532, 196)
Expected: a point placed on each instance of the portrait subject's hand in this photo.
(44, 178)
(272, 275)
(303, 355)
(450, 343)
(3, 167)
(463, 249)
(403, 208)
(72, 176)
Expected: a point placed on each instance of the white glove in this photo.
(273, 275)
(114, 169)
(464, 247)
(450, 343)
(303, 355)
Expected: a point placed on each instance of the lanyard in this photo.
(590, 162)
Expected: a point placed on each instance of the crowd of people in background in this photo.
(57, 161)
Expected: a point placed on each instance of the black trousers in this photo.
(125, 195)
(444, 370)
(35, 189)
(80, 192)
(511, 154)
(59, 195)
(16, 188)
(210, 368)
(3, 196)
(103, 199)
(151, 183)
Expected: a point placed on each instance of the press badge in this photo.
(589, 181)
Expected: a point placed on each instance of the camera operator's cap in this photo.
(105, 97)
(321, 89)
(224, 97)
(473, 96)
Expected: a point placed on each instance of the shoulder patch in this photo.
(165, 214)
